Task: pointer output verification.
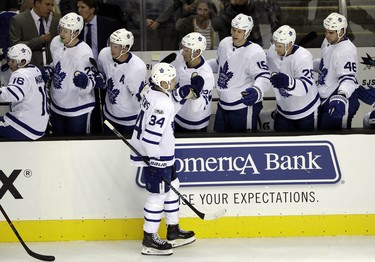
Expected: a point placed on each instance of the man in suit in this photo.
(101, 27)
(35, 28)
(95, 33)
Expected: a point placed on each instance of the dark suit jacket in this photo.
(106, 26)
(23, 30)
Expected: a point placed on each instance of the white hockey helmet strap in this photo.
(163, 72)
(336, 22)
(243, 22)
(20, 52)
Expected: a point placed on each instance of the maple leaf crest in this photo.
(322, 73)
(112, 92)
(58, 76)
(224, 76)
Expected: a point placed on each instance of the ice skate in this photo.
(153, 245)
(178, 237)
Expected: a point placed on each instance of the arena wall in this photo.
(271, 186)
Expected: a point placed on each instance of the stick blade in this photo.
(169, 58)
(41, 257)
(214, 215)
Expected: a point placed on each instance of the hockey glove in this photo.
(197, 83)
(47, 73)
(183, 93)
(80, 79)
(100, 81)
(338, 106)
(251, 96)
(281, 80)
(366, 95)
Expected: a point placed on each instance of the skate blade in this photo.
(181, 242)
(156, 252)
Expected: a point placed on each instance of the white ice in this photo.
(312, 249)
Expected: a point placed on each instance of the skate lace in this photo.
(157, 240)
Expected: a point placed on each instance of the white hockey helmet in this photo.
(20, 52)
(284, 35)
(335, 22)
(72, 21)
(195, 41)
(243, 22)
(163, 72)
(122, 37)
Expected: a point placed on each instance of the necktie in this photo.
(88, 34)
(41, 27)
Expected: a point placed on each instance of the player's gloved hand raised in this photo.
(197, 83)
(338, 106)
(182, 93)
(47, 73)
(366, 95)
(80, 79)
(100, 80)
(251, 96)
(281, 80)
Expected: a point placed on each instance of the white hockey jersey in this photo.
(337, 68)
(153, 135)
(304, 98)
(195, 113)
(26, 93)
(68, 99)
(124, 80)
(239, 68)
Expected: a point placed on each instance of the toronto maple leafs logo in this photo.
(112, 92)
(58, 76)
(322, 73)
(224, 76)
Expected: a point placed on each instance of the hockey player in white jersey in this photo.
(153, 138)
(337, 80)
(243, 78)
(72, 91)
(28, 117)
(126, 75)
(195, 113)
(297, 98)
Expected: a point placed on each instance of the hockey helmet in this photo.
(72, 21)
(122, 37)
(195, 41)
(284, 35)
(243, 22)
(335, 22)
(163, 72)
(20, 52)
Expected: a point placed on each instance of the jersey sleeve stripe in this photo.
(14, 94)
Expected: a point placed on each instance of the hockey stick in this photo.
(203, 216)
(307, 38)
(97, 72)
(169, 58)
(28, 250)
